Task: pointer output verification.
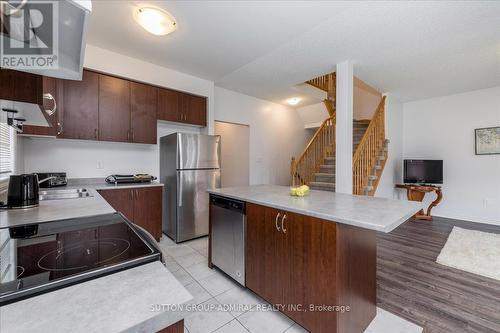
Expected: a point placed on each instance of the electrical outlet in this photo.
(486, 202)
(99, 165)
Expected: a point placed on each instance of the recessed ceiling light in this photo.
(293, 101)
(155, 20)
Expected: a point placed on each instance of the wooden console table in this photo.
(417, 193)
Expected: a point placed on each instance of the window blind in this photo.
(6, 149)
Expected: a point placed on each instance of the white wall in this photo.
(393, 166)
(235, 153)
(276, 134)
(365, 102)
(313, 115)
(443, 128)
(80, 158)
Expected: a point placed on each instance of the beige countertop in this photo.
(120, 302)
(379, 214)
(51, 210)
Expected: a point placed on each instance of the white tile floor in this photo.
(211, 289)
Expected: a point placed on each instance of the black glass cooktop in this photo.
(41, 257)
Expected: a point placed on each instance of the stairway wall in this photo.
(365, 102)
(392, 174)
(276, 134)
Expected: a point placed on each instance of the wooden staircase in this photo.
(316, 165)
(327, 83)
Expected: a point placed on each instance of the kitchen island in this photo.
(315, 256)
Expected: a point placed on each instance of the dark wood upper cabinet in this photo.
(20, 86)
(194, 109)
(114, 109)
(143, 105)
(181, 107)
(168, 105)
(50, 86)
(79, 107)
(103, 107)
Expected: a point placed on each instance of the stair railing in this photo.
(327, 83)
(367, 153)
(321, 145)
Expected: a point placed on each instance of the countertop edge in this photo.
(355, 223)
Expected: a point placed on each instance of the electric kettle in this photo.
(23, 191)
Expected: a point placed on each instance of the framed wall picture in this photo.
(487, 141)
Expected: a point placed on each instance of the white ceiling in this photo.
(413, 50)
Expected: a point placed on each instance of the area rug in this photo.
(472, 251)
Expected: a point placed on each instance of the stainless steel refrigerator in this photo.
(189, 165)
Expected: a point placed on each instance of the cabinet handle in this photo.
(132, 194)
(276, 221)
(96, 134)
(283, 223)
(60, 128)
(49, 96)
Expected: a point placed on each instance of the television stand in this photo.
(416, 192)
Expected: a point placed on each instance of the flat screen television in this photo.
(423, 172)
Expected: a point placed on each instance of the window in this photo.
(6, 150)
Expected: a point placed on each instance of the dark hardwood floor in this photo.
(439, 298)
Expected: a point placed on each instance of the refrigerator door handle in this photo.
(179, 192)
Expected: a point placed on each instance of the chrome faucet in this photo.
(45, 179)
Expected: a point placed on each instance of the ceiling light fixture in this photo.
(155, 20)
(293, 101)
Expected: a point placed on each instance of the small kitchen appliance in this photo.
(22, 191)
(124, 179)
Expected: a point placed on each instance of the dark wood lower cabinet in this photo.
(142, 206)
(314, 268)
(178, 327)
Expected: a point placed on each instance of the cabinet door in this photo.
(143, 102)
(168, 105)
(50, 85)
(114, 109)
(194, 109)
(148, 210)
(309, 270)
(20, 86)
(121, 200)
(264, 253)
(78, 117)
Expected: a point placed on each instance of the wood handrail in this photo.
(372, 124)
(368, 151)
(326, 83)
(320, 146)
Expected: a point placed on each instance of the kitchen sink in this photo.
(75, 193)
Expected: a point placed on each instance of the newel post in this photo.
(292, 170)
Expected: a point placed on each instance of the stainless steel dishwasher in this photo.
(228, 236)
